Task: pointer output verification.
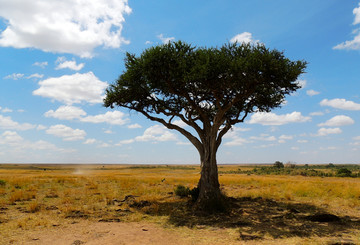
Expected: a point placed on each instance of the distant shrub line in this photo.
(163, 166)
(278, 168)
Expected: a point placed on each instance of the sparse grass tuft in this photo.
(2, 183)
(34, 206)
(20, 195)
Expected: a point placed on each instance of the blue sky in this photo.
(57, 58)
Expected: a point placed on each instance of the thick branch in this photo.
(187, 134)
(228, 127)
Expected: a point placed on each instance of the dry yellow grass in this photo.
(41, 197)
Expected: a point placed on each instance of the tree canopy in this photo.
(209, 89)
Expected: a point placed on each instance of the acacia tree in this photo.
(209, 89)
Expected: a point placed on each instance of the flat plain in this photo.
(136, 204)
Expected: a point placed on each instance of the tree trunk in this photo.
(210, 198)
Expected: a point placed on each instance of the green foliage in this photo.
(278, 164)
(343, 172)
(2, 182)
(182, 191)
(176, 77)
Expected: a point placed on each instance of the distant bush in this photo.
(182, 191)
(328, 170)
(330, 165)
(343, 172)
(278, 164)
(2, 182)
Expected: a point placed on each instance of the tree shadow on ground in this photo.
(257, 217)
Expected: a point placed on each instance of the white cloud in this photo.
(236, 141)
(183, 143)
(66, 133)
(41, 127)
(270, 118)
(125, 142)
(108, 131)
(43, 145)
(16, 142)
(327, 131)
(17, 76)
(8, 123)
(312, 92)
(75, 27)
(148, 42)
(62, 63)
(245, 37)
(71, 89)
(165, 39)
(302, 141)
(180, 123)
(302, 83)
(234, 135)
(133, 126)
(104, 145)
(356, 12)
(157, 133)
(90, 141)
(328, 148)
(283, 138)
(317, 113)
(41, 64)
(341, 104)
(35, 75)
(336, 121)
(355, 43)
(111, 117)
(5, 110)
(67, 112)
(11, 138)
(263, 137)
(235, 132)
(14, 76)
(264, 146)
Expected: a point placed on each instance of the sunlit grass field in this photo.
(44, 197)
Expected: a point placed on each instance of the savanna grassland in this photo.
(38, 202)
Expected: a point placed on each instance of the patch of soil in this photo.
(94, 233)
(76, 214)
(110, 220)
(51, 207)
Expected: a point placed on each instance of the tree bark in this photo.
(210, 197)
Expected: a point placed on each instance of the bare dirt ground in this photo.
(87, 232)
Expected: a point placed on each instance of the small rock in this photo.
(77, 242)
